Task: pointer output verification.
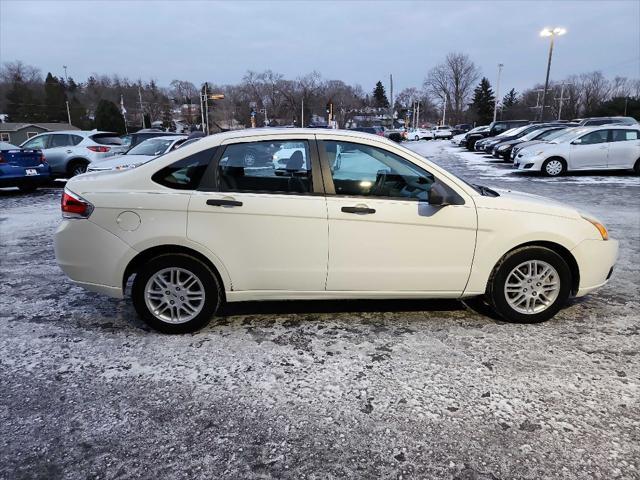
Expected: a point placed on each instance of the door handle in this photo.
(69, 151)
(224, 203)
(359, 210)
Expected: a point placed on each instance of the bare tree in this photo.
(452, 83)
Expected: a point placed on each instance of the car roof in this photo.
(83, 133)
(167, 137)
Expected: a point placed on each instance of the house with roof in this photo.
(16, 133)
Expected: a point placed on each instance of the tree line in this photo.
(454, 88)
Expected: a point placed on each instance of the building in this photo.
(17, 133)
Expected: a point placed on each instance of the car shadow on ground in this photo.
(339, 306)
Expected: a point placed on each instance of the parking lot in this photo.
(397, 389)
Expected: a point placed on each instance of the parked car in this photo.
(461, 128)
(374, 130)
(479, 145)
(481, 129)
(547, 137)
(443, 131)
(26, 169)
(196, 229)
(130, 140)
(503, 149)
(141, 153)
(584, 148)
(419, 134)
(491, 144)
(495, 128)
(595, 121)
(70, 153)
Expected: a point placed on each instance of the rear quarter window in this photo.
(187, 173)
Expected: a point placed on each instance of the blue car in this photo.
(23, 168)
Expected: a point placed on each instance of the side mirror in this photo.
(438, 195)
(577, 141)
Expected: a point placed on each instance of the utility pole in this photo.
(68, 112)
(495, 107)
(202, 112)
(391, 98)
(561, 99)
(302, 114)
(418, 114)
(444, 110)
(141, 107)
(66, 79)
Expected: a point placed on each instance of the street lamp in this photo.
(552, 33)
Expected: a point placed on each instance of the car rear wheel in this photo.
(176, 293)
(529, 285)
(554, 167)
(77, 167)
(416, 138)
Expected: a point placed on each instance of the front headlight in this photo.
(601, 228)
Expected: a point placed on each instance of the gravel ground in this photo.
(320, 390)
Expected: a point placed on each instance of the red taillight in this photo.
(2, 160)
(99, 149)
(43, 160)
(74, 206)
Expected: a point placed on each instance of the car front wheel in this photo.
(176, 293)
(529, 285)
(554, 167)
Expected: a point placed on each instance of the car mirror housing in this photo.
(577, 141)
(440, 195)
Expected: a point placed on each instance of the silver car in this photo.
(69, 153)
(141, 153)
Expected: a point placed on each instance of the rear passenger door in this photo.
(624, 148)
(262, 211)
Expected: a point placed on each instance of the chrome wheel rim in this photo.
(554, 167)
(79, 170)
(532, 287)
(174, 295)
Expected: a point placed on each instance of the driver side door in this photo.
(590, 151)
(383, 235)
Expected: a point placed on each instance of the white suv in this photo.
(584, 148)
(198, 227)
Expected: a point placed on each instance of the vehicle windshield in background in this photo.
(568, 135)
(152, 147)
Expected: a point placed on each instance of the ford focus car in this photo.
(198, 227)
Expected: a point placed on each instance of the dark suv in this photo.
(495, 128)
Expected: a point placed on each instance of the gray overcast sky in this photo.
(358, 42)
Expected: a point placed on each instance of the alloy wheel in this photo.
(174, 295)
(532, 287)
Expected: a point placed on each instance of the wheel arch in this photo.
(566, 255)
(141, 258)
(73, 160)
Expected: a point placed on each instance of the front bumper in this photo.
(596, 259)
(92, 257)
(533, 162)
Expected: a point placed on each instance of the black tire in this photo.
(496, 295)
(212, 289)
(76, 167)
(548, 169)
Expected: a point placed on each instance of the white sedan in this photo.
(141, 153)
(585, 148)
(196, 228)
(419, 134)
(442, 132)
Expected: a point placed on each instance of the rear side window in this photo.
(187, 173)
(267, 167)
(75, 139)
(624, 135)
(106, 139)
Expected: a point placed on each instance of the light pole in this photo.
(66, 79)
(552, 33)
(495, 107)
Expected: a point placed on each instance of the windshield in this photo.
(507, 133)
(153, 147)
(567, 135)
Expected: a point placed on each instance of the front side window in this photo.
(37, 142)
(624, 135)
(185, 174)
(59, 140)
(363, 170)
(599, 136)
(267, 167)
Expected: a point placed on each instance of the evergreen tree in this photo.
(380, 96)
(510, 99)
(22, 103)
(109, 118)
(55, 100)
(483, 102)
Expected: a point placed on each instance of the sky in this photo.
(359, 42)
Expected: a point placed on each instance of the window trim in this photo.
(30, 135)
(328, 177)
(211, 182)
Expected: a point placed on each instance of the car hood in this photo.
(526, 202)
(120, 161)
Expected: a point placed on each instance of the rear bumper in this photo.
(12, 176)
(92, 257)
(596, 259)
